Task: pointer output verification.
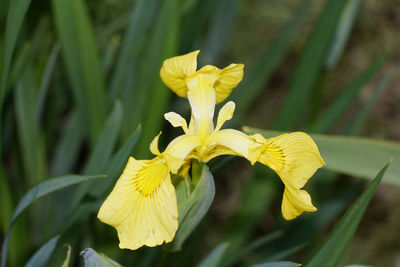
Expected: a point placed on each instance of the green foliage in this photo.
(80, 92)
(332, 249)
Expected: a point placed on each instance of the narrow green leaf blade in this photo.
(357, 122)
(42, 256)
(214, 258)
(116, 164)
(328, 119)
(43, 188)
(355, 156)
(83, 65)
(263, 69)
(94, 259)
(334, 245)
(278, 264)
(309, 65)
(343, 30)
(193, 208)
(16, 14)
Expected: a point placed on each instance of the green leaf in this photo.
(278, 264)
(335, 244)
(214, 258)
(42, 256)
(355, 156)
(82, 62)
(43, 188)
(357, 122)
(94, 259)
(16, 14)
(67, 148)
(271, 57)
(220, 30)
(309, 65)
(116, 164)
(129, 57)
(343, 30)
(252, 246)
(32, 148)
(259, 193)
(193, 208)
(153, 98)
(328, 119)
(101, 153)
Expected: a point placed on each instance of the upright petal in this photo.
(230, 77)
(175, 70)
(201, 96)
(154, 145)
(142, 206)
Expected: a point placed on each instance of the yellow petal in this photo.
(225, 114)
(154, 145)
(294, 157)
(231, 140)
(177, 151)
(201, 96)
(175, 70)
(176, 120)
(295, 202)
(230, 77)
(142, 206)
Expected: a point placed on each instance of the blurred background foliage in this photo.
(80, 92)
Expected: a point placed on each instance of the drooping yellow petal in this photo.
(177, 151)
(225, 114)
(227, 140)
(142, 206)
(294, 157)
(177, 120)
(175, 70)
(154, 145)
(230, 77)
(295, 202)
(201, 96)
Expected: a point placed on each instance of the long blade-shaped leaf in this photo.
(94, 259)
(82, 62)
(334, 245)
(153, 93)
(16, 13)
(343, 30)
(42, 256)
(101, 153)
(193, 208)
(355, 156)
(356, 123)
(214, 258)
(309, 65)
(333, 113)
(262, 70)
(44, 188)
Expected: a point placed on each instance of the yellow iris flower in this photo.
(143, 206)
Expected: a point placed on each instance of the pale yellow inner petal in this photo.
(154, 145)
(225, 114)
(176, 120)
